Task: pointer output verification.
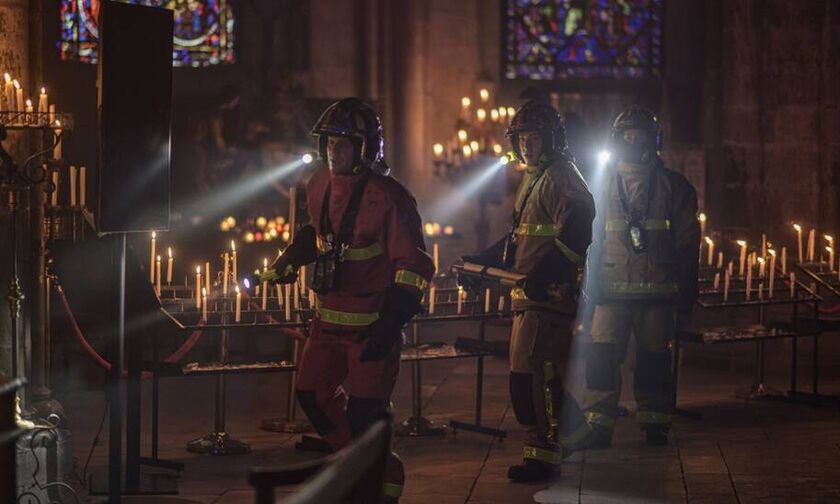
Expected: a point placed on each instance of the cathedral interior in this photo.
(419, 251)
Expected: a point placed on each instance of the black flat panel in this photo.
(135, 113)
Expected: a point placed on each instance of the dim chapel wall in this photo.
(14, 58)
(779, 149)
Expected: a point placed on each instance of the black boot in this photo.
(656, 435)
(533, 471)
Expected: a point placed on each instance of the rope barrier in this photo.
(177, 355)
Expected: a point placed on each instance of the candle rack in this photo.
(14, 120)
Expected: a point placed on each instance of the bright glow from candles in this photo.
(797, 227)
(198, 270)
(741, 243)
(481, 114)
(701, 217)
(502, 112)
(829, 238)
(233, 246)
(465, 102)
(494, 115)
(16, 84)
(7, 77)
(169, 251)
(154, 235)
(462, 135)
(708, 240)
(474, 146)
(484, 94)
(497, 148)
(467, 151)
(438, 149)
(511, 111)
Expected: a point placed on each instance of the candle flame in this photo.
(233, 245)
(265, 262)
(709, 240)
(438, 149)
(474, 146)
(16, 84)
(761, 260)
(772, 252)
(58, 123)
(154, 235)
(43, 90)
(485, 94)
(465, 102)
(467, 151)
(701, 217)
(169, 251)
(198, 270)
(7, 77)
(828, 249)
(511, 111)
(481, 114)
(158, 258)
(798, 228)
(829, 238)
(237, 290)
(462, 135)
(28, 102)
(741, 243)
(203, 292)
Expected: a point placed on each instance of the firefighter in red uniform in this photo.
(370, 270)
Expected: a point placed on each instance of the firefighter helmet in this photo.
(541, 117)
(356, 120)
(636, 117)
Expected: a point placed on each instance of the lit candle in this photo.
(72, 186)
(52, 115)
(784, 260)
(484, 94)
(726, 279)
(152, 258)
(438, 150)
(287, 297)
(481, 114)
(9, 92)
(204, 304)
(19, 97)
(760, 290)
(711, 256)
(798, 230)
(702, 219)
(296, 296)
(265, 286)
(57, 148)
(54, 195)
(207, 276)
(278, 287)
(238, 317)
(486, 300)
(830, 249)
(462, 136)
(811, 244)
(720, 260)
(460, 299)
(761, 267)
(432, 292)
(234, 261)
(198, 286)
(169, 263)
(311, 299)
(29, 110)
(436, 256)
(157, 276)
(763, 245)
(743, 257)
(717, 281)
(225, 272)
(465, 102)
(82, 186)
(730, 268)
(792, 284)
(748, 282)
(43, 106)
(772, 272)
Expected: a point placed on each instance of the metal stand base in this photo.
(288, 426)
(759, 391)
(419, 427)
(478, 429)
(218, 443)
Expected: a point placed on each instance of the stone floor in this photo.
(739, 452)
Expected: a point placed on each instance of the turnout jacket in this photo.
(386, 246)
(556, 217)
(664, 204)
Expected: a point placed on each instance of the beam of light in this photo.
(218, 201)
(447, 206)
(603, 157)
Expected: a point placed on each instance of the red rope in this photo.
(188, 344)
(830, 309)
(285, 330)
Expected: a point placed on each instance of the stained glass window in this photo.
(203, 30)
(582, 39)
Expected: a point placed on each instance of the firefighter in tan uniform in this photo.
(550, 233)
(642, 277)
